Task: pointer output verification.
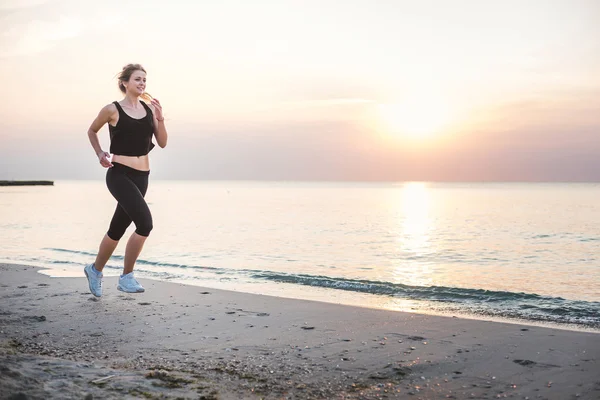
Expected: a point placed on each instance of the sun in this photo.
(414, 118)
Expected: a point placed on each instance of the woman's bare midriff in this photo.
(141, 163)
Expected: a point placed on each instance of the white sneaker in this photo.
(94, 279)
(128, 284)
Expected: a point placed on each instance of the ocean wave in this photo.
(141, 261)
(494, 303)
(505, 304)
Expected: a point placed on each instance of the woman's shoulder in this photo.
(111, 107)
(108, 111)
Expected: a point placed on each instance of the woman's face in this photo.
(137, 83)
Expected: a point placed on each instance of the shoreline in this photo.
(56, 338)
(342, 297)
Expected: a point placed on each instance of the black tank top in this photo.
(131, 136)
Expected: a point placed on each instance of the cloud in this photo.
(37, 35)
(35, 26)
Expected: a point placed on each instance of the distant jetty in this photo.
(26, 183)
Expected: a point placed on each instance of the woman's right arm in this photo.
(104, 116)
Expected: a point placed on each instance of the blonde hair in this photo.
(125, 75)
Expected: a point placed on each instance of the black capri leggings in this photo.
(128, 186)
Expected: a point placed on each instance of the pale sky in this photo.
(392, 90)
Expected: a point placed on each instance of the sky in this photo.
(351, 90)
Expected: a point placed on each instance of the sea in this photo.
(513, 252)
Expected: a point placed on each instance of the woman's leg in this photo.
(107, 247)
(129, 190)
(118, 225)
(132, 251)
(128, 187)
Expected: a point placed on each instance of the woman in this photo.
(131, 124)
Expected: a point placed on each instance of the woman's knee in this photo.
(116, 234)
(143, 228)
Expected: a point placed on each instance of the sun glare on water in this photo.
(415, 119)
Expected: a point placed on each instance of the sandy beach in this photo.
(179, 341)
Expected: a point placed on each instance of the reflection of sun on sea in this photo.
(414, 246)
(414, 119)
(413, 240)
(416, 223)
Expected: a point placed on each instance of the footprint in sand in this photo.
(258, 314)
(35, 318)
(531, 364)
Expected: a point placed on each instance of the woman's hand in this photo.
(104, 159)
(158, 113)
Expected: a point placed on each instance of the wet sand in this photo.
(179, 341)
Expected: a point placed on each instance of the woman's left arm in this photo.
(160, 131)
